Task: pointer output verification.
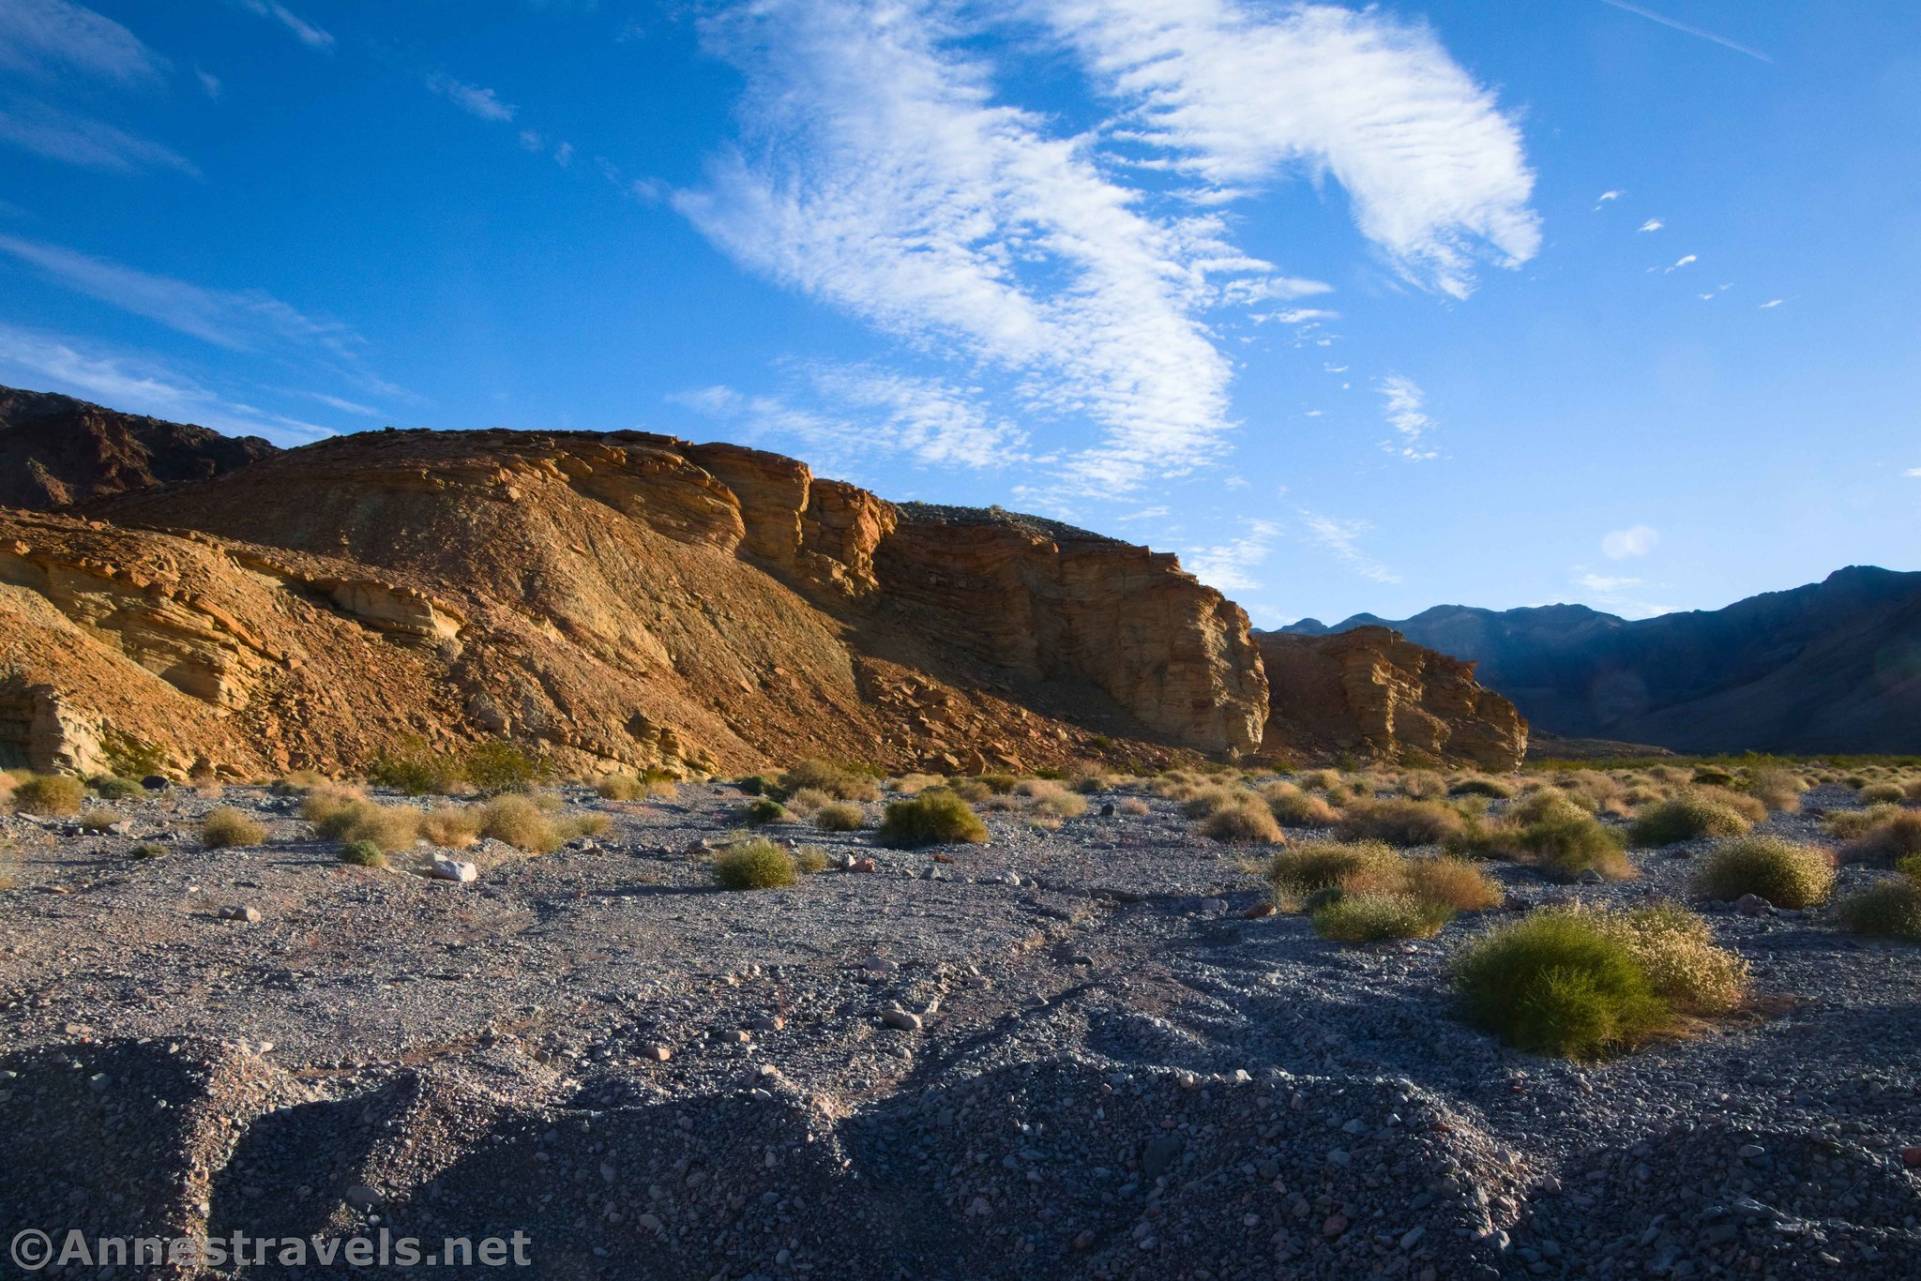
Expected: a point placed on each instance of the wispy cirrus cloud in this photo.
(1652, 224)
(1240, 95)
(1230, 566)
(1342, 539)
(136, 385)
(475, 100)
(45, 39)
(854, 411)
(84, 141)
(1406, 411)
(244, 320)
(1699, 33)
(302, 30)
(1635, 540)
(880, 170)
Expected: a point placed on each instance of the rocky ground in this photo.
(1064, 1053)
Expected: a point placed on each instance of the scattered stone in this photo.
(240, 912)
(453, 869)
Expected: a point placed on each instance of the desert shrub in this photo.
(837, 781)
(585, 825)
(49, 795)
(1423, 785)
(519, 821)
(227, 827)
(1909, 866)
(1783, 873)
(1321, 780)
(1882, 794)
(1453, 881)
(1913, 790)
(1684, 818)
(999, 784)
(1677, 951)
(130, 757)
(1249, 822)
(761, 811)
(1568, 844)
(840, 816)
(1349, 866)
(1559, 983)
(1293, 807)
(501, 765)
(1481, 785)
(1367, 918)
(811, 860)
(1890, 908)
(96, 820)
(754, 865)
(362, 854)
(1132, 805)
(808, 799)
(415, 769)
(146, 850)
(1748, 807)
(391, 827)
(761, 785)
(1088, 779)
(111, 787)
(1848, 824)
(619, 787)
(1548, 804)
(1778, 789)
(1893, 835)
(1061, 804)
(971, 790)
(1399, 822)
(934, 817)
(1712, 776)
(450, 826)
(913, 784)
(1206, 800)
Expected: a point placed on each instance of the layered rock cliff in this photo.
(1373, 693)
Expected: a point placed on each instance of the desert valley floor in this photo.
(1070, 1052)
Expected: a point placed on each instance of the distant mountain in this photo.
(1834, 666)
(56, 451)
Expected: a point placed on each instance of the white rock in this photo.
(453, 869)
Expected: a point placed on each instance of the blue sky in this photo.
(1355, 308)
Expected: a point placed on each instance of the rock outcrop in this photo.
(1373, 693)
(625, 600)
(56, 451)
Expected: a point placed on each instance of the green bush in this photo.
(503, 766)
(1783, 873)
(1890, 907)
(761, 785)
(111, 787)
(362, 854)
(1556, 983)
(1685, 818)
(415, 769)
(1909, 866)
(1349, 866)
(840, 816)
(1568, 844)
(1676, 949)
(761, 811)
(227, 827)
(1368, 918)
(935, 816)
(1399, 822)
(754, 865)
(49, 795)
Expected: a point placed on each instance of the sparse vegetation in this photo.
(49, 795)
(96, 820)
(146, 850)
(1245, 822)
(811, 860)
(1293, 807)
(1891, 836)
(837, 781)
(1133, 805)
(1399, 822)
(1889, 908)
(450, 826)
(1783, 873)
(362, 854)
(936, 816)
(1677, 951)
(1423, 785)
(227, 827)
(1481, 785)
(1560, 983)
(520, 822)
(1567, 843)
(761, 811)
(1368, 918)
(1778, 789)
(1353, 867)
(111, 787)
(1455, 882)
(1882, 794)
(1685, 818)
(754, 865)
(492, 767)
(840, 816)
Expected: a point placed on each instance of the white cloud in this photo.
(1406, 411)
(862, 411)
(472, 99)
(879, 171)
(1606, 583)
(135, 386)
(1772, 303)
(209, 82)
(1636, 540)
(1239, 95)
(1685, 260)
(564, 154)
(305, 32)
(84, 141)
(1145, 513)
(1342, 539)
(1606, 196)
(1913, 472)
(248, 320)
(1230, 566)
(47, 39)
(1652, 224)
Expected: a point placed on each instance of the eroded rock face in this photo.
(1374, 693)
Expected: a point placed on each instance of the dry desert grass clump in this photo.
(1294, 807)
(49, 795)
(840, 816)
(758, 864)
(227, 827)
(1783, 873)
(1373, 918)
(1890, 835)
(1882, 793)
(1481, 785)
(1778, 789)
(1422, 785)
(1358, 892)
(634, 787)
(838, 781)
(1245, 820)
(1686, 817)
(935, 817)
(1552, 831)
(1889, 908)
(1132, 805)
(1400, 822)
(344, 814)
